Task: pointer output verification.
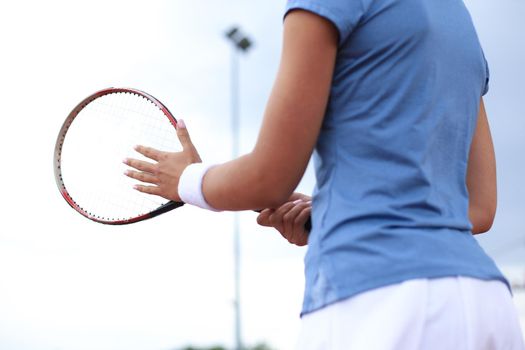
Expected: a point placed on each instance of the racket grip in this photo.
(165, 208)
(307, 224)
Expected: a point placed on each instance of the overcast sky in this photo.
(67, 283)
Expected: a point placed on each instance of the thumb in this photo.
(183, 135)
(264, 217)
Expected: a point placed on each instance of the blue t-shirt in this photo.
(391, 200)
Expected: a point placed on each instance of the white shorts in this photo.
(453, 313)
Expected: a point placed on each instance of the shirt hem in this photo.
(365, 287)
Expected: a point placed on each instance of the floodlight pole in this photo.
(241, 44)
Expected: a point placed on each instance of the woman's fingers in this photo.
(289, 219)
(148, 189)
(303, 216)
(149, 152)
(264, 217)
(277, 217)
(301, 238)
(294, 224)
(145, 171)
(187, 146)
(296, 195)
(142, 176)
(184, 135)
(140, 165)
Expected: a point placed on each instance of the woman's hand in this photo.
(164, 173)
(289, 219)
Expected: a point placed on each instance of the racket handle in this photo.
(165, 208)
(307, 224)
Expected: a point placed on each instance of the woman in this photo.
(389, 94)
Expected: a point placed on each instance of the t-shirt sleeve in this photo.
(344, 14)
(487, 77)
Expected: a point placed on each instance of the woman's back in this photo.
(391, 200)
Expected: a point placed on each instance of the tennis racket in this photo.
(96, 136)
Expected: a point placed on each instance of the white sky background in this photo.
(67, 283)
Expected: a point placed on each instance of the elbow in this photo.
(273, 179)
(271, 190)
(481, 227)
(482, 219)
(273, 196)
(271, 182)
(279, 199)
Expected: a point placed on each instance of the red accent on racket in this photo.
(96, 136)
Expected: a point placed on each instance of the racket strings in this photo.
(101, 136)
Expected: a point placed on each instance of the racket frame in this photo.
(170, 205)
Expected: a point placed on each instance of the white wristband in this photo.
(190, 185)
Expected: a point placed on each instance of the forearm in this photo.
(245, 183)
(481, 176)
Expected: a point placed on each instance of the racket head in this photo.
(94, 139)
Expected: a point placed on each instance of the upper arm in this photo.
(299, 98)
(481, 176)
